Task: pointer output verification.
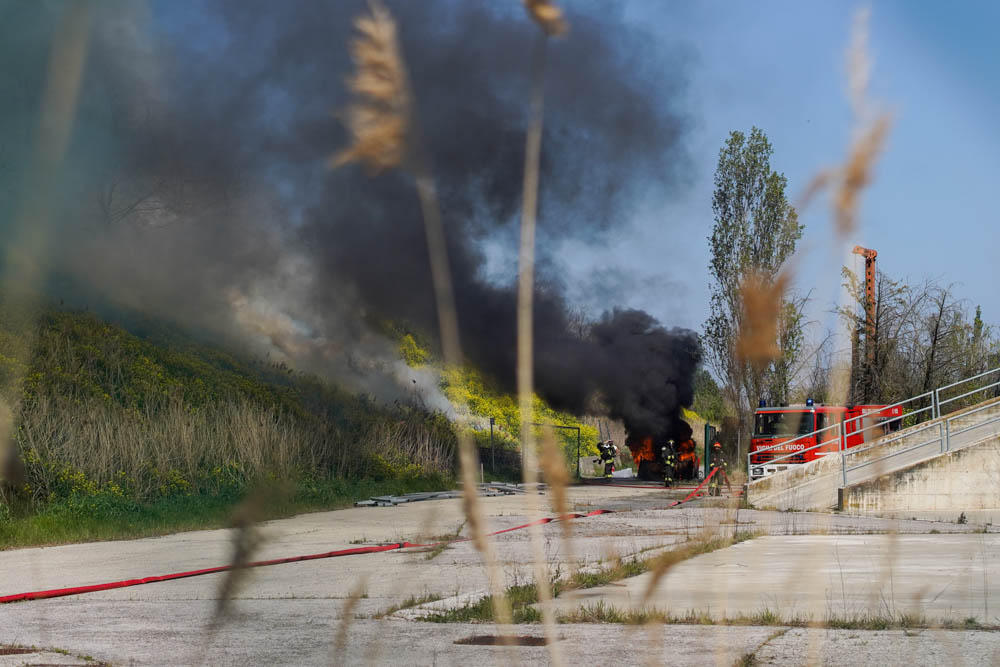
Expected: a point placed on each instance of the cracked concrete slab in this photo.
(816, 577)
(288, 614)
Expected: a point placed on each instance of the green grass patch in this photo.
(442, 542)
(409, 603)
(522, 598)
(106, 516)
(519, 598)
(604, 613)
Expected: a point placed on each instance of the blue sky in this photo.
(780, 66)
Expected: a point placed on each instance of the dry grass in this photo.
(246, 543)
(871, 129)
(762, 301)
(847, 182)
(379, 120)
(384, 127)
(346, 616)
(23, 271)
(550, 18)
(169, 443)
(557, 477)
(548, 15)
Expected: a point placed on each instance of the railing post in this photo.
(941, 436)
(936, 403)
(947, 435)
(843, 449)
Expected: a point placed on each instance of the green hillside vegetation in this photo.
(480, 398)
(120, 434)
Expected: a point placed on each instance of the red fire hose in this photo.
(77, 590)
(703, 483)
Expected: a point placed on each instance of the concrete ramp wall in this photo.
(941, 488)
(809, 487)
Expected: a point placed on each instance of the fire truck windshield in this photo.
(783, 424)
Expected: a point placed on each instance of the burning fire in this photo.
(642, 450)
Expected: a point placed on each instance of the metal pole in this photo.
(578, 452)
(708, 452)
(493, 455)
(566, 428)
(843, 447)
(843, 467)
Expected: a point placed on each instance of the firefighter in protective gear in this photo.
(608, 451)
(718, 461)
(669, 455)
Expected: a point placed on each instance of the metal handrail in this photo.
(842, 434)
(887, 421)
(935, 409)
(938, 391)
(792, 441)
(968, 379)
(881, 442)
(968, 393)
(928, 394)
(925, 427)
(944, 436)
(896, 453)
(967, 413)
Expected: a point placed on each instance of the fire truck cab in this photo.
(789, 433)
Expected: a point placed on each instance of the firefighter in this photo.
(669, 455)
(608, 451)
(718, 461)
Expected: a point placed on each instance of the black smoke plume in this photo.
(200, 151)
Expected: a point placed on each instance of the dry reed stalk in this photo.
(346, 618)
(762, 300)
(665, 562)
(871, 128)
(23, 261)
(11, 466)
(847, 182)
(380, 116)
(557, 478)
(548, 15)
(525, 298)
(857, 172)
(383, 122)
(246, 543)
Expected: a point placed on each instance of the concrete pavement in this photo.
(288, 614)
(301, 632)
(816, 577)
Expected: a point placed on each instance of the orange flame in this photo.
(642, 450)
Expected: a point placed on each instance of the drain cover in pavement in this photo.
(494, 640)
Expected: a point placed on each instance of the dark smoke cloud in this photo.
(222, 112)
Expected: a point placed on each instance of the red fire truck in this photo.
(789, 435)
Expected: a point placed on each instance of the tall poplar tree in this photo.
(755, 232)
